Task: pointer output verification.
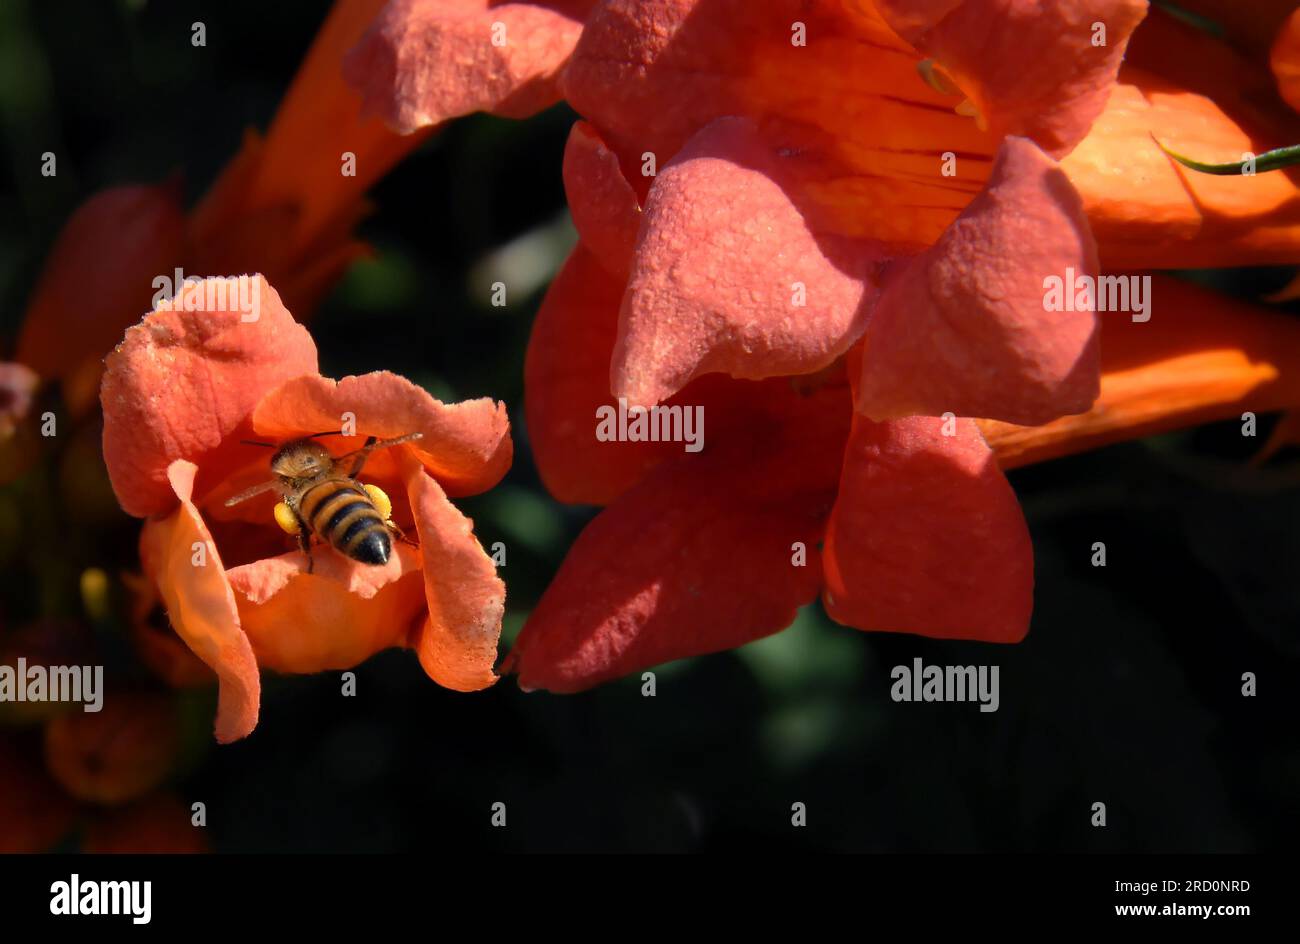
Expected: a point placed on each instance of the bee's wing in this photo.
(252, 492)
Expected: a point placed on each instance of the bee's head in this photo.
(301, 459)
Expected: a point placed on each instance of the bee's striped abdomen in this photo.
(340, 512)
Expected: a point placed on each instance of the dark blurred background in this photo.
(1127, 691)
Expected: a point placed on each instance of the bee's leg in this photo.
(371, 445)
(399, 533)
(304, 541)
(362, 455)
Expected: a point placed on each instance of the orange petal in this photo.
(906, 479)
(96, 279)
(729, 277)
(182, 382)
(333, 618)
(1030, 67)
(1147, 211)
(1202, 357)
(156, 643)
(117, 754)
(465, 445)
(201, 604)
(425, 61)
(708, 552)
(283, 205)
(457, 644)
(965, 327)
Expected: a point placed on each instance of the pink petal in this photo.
(603, 204)
(701, 556)
(724, 262)
(426, 61)
(964, 327)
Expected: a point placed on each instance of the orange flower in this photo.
(1202, 97)
(181, 392)
(283, 206)
(98, 774)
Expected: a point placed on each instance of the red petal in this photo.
(697, 558)
(964, 328)
(566, 379)
(927, 536)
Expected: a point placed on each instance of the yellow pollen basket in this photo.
(286, 519)
(382, 503)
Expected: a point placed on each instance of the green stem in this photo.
(1276, 159)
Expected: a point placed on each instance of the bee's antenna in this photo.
(254, 442)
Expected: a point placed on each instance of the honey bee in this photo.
(318, 498)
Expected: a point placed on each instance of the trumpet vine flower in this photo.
(183, 391)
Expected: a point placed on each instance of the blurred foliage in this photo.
(1127, 690)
